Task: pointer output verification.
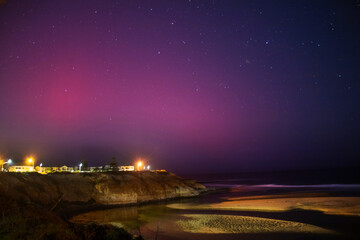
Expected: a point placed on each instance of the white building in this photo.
(21, 169)
(127, 168)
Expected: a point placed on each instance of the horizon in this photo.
(191, 87)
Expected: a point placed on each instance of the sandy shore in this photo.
(217, 226)
(214, 223)
(283, 216)
(273, 203)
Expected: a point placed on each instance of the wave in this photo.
(307, 186)
(334, 186)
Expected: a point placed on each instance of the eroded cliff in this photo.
(111, 188)
(33, 206)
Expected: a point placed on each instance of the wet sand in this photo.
(210, 226)
(283, 216)
(273, 203)
(215, 223)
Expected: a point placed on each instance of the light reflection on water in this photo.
(130, 218)
(148, 219)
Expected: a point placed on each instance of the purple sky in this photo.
(189, 85)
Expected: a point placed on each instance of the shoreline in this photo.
(308, 223)
(54, 198)
(188, 205)
(334, 226)
(71, 210)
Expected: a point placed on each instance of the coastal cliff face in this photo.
(33, 206)
(111, 188)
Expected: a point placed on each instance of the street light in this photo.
(9, 161)
(139, 164)
(80, 165)
(40, 166)
(30, 160)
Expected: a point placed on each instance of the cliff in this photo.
(113, 188)
(31, 203)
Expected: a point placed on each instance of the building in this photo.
(95, 169)
(41, 170)
(21, 169)
(66, 169)
(106, 168)
(127, 168)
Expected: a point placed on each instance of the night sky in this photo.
(192, 86)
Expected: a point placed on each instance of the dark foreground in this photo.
(34, 206)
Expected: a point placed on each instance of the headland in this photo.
(53, 197)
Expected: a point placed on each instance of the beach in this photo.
(245, 212)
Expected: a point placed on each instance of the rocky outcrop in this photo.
(113, 188)
(35, 206)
